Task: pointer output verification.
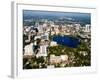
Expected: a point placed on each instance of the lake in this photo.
(67, 41)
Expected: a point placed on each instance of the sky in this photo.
(52, 13)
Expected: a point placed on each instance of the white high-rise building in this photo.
(36, 24)
(77, 26)
(43, 50)
(39, 27)
(47, 36)
(28, 50)
(87, 28)
(44, 25)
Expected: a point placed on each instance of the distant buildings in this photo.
(86, 28)
(77, 26)
(39, 27)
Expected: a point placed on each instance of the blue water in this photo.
(66, 41)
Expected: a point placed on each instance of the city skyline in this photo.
(82, 18)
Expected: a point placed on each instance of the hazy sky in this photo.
(52, 13)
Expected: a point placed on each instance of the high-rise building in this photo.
(87, 28)
(77, 26)
(43, 50)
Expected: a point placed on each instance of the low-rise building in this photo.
(53, 43)
(58, 59)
